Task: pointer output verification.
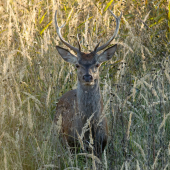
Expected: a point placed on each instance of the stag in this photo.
(84, 104)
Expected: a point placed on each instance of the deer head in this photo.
(87, 63)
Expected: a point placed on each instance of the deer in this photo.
(85, 103)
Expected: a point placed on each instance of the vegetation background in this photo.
(135, 84)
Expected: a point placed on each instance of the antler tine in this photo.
(61, 38)
(114, 35)
(95, 49)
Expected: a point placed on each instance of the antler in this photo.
(114, 35)
(61, 38)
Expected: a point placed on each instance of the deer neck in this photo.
(89, 99)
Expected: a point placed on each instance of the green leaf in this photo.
(84, 22)
(118, 61)
(70, 14)
(108, 4)
(3, 31)
(159, 19)
(42, 18)
(169, 15)
(65, 8)
(45, 27)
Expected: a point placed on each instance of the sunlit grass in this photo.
(135, 83)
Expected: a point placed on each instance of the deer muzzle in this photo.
(87, 78)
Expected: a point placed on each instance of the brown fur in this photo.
(66, 107)
(87, 57)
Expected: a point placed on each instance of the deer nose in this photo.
(87, 78)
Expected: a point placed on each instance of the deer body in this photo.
(82, 109)
(76, 107)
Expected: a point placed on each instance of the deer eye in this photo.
(97, 65)
(77, 66)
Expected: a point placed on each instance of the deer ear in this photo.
(107, 54)
(66, 55)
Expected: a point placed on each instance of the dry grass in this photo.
(135, 84)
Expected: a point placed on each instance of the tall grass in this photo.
(135, 83)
